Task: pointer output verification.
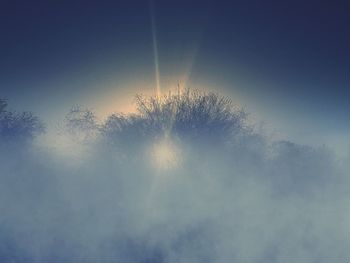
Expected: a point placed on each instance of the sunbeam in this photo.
(155, 48)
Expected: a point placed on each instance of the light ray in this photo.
(155, 49)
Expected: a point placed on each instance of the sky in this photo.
(286, 62)
(195, 186)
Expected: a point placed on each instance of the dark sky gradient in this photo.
(286, 61)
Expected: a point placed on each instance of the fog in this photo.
(186, 179)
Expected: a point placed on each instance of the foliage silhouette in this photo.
(192, 115)
(18, 126)
(81, 124)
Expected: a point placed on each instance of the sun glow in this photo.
(165, 154)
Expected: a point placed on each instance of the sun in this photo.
(165, 154)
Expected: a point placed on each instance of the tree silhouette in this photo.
(192, 115)
(3, 105)
(18, 126)
(81, 124)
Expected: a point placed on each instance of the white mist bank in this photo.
(110, 195)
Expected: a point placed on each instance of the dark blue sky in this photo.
(286, 61)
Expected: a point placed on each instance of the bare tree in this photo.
(81, 124)
(18, 126)
(190, 115)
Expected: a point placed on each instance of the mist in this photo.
(187, 178)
